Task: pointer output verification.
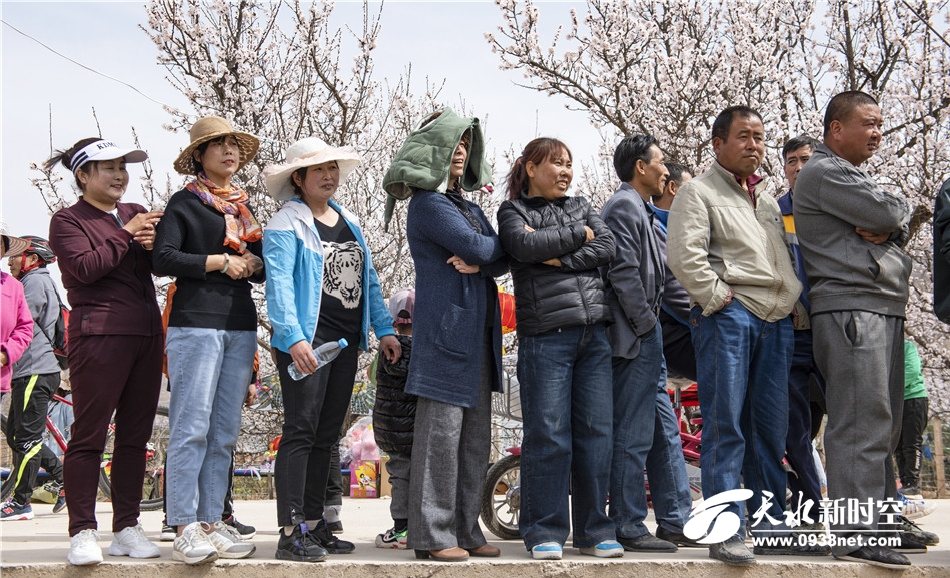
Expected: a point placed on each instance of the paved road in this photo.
(38, 548)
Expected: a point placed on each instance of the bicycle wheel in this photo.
(501, 498)
(153, 488)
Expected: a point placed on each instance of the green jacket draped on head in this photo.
(423, 160)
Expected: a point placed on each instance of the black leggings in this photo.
(26, 423)
(913, 425)
(314, 410)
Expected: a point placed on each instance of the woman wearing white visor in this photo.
(115, 343)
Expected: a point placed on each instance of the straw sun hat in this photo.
(209, 128)
(306, 153)
(12, 246)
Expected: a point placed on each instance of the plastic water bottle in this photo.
(324, 354)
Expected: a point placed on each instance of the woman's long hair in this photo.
(536, 151)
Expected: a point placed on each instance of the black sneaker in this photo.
(678, 538)
(910, 544)
(300, 546)
(333, 545)
(246, 532)
(60, 494)
(168, 534)
(877, 556)
(646, 543)
(733, 552)
(908, 527)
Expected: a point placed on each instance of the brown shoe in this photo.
(454, 554)
(485, 551)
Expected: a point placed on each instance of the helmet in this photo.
(39, 247)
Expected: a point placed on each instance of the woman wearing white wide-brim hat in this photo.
(321, 287)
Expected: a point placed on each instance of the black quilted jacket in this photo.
(549, 297)
(394, 412)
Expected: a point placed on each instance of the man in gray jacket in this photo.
(634, 287)
(36, 377)
(851, 234)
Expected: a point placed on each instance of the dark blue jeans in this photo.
(666, 467)
(566, 402)
(635, 394)
(804, 483)
(743, 364)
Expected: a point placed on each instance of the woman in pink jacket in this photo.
(16, 324)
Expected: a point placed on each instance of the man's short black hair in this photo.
(843, 104)
(797, 142)
(676, 172)
(723, 121)
(630, 150)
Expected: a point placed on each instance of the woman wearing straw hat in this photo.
(115, 343)
(210, 241)
(321, 287)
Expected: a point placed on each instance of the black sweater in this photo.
(547, 297)
(187, 233)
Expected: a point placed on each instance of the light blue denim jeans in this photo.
(209, 371)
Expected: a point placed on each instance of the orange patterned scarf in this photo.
(240, 225)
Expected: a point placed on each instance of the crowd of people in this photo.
(780, 309)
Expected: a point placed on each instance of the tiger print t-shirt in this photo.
(341, 311)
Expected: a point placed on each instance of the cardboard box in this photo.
(385, 488)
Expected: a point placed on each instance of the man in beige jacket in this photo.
(727, 247)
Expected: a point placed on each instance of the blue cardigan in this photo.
(448, 323)
(292, 250)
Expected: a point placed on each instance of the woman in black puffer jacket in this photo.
(557, 244)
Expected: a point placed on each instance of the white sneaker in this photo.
(193, 546)
(84, 549)
(228, 542)
(914, 509)
(132, 542)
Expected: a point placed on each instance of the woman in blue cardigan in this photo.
(456, 360)
(321, 287)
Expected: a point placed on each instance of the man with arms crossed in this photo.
(851, 233)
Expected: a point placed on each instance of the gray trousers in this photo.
(861, 356)
(449, 462)
(398, 468)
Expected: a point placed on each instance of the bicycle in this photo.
(152, 488)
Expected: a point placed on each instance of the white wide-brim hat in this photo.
(306, 153)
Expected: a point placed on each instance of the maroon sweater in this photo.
(108, 277)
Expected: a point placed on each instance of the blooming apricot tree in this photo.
(667, 67)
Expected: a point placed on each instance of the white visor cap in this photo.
(104, 150)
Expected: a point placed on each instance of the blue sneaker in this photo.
(547, 551)
(605, 549)
(10, 510)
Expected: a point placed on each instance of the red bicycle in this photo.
(152, 488)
